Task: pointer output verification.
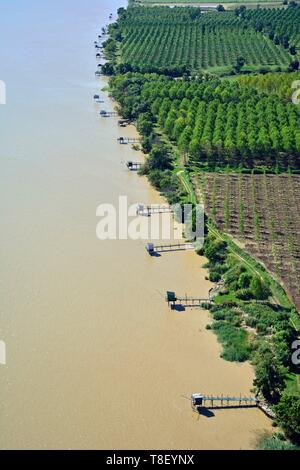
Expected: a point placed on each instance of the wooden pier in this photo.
(106, 114)
(219, 401)
(186, 301)
(152, 249)
(153, 209)
(128, 140)
(133, 166)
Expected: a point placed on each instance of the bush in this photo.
(214, 276)
(288, 415)
(244, 294)
(244, 280)
(275, 442)
(270, 376)
(259, 289)
(265, 318)
(215, 250)
(234, 340)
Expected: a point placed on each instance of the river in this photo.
(95, 359)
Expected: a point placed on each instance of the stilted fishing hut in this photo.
(133, 166)
(106, 114)
(187, 301)
(199, 400)
(128, 140)
(98, 99)
(152, 249)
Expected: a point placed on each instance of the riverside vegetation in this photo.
(196, 129)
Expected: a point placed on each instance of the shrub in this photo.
(234, 340)
(244, 294)
(259, 289)
(244, 280)
(214, 276)
(288, 414)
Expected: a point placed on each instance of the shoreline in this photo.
(131, 131)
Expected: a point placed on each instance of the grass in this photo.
(275, 442)
(230, 297)
(293, 383)
(234, 340)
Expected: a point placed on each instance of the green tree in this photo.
(244, 280)
(159, 158)
(269, 376)
(145, 124)
(240, 62)
(259, 289)
(288, 414)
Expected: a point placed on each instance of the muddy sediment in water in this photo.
(95, 359)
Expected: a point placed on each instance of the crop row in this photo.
(263, 212)
(198, 47)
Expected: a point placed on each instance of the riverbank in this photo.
(95, 359)
(268, 347)
(130, 131)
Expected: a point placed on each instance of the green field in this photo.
(160, 37)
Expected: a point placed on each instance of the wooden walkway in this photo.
(152, 249)
(106, 114)
(128, 140)
(218, 401)
(186, 301)
(154, 209)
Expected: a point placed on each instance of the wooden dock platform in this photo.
(152, 249)
(128, 140)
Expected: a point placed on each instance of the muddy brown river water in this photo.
(95, 359)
